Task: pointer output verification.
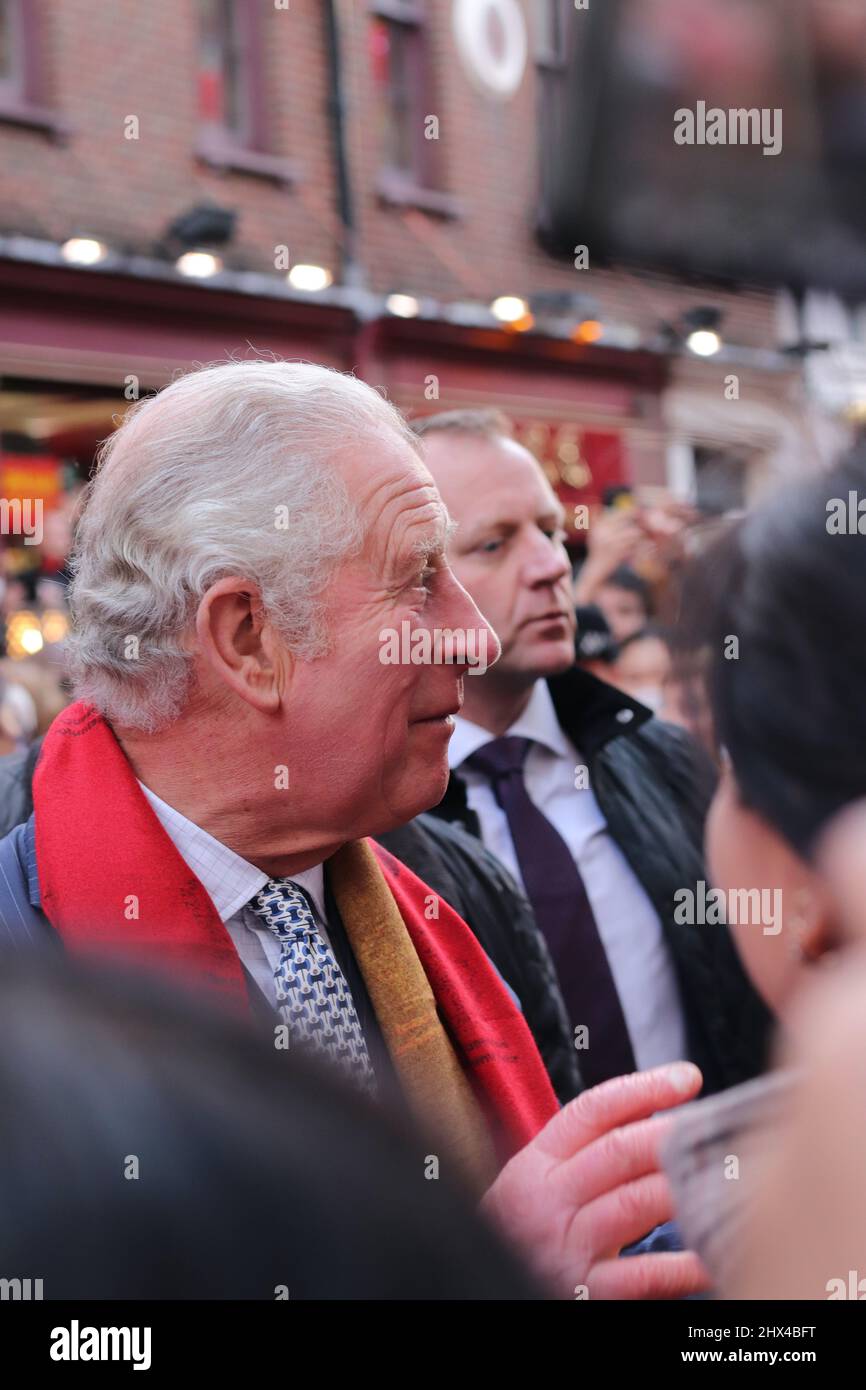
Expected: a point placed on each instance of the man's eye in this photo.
(554, 533)
(425, 579)
(488, 547)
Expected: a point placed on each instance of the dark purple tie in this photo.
(558, 896)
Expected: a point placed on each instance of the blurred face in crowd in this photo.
(623, 609)
(642, 670)
(508, 550)
(365, 740)
(745, 852)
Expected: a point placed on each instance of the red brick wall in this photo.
(103, 62)
(488, 154)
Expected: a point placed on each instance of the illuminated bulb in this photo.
(704, 342)
(509, 308)
(588, 332)
(309, 277)
(198, 265)
(83, 250)
(23, 635)
(55, 625)
(405, 306)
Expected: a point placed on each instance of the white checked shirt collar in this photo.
(229, 880)
(538, 722)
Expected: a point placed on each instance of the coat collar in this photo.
(592, 714)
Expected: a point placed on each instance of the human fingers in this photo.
(621, 1155)
(672, 1274)
(622, 1215)
(620, 1101)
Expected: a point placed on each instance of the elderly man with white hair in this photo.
(253, 537)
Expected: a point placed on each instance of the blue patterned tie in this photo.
(313, 995)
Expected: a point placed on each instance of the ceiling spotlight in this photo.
(198, 265)
(703, 342)
(83, 250)
(701, 327)
(309, 277)
(509, 308)
(405, 306)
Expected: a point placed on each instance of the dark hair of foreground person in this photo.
(259, 1175)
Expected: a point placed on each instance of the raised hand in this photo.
(589, 1184)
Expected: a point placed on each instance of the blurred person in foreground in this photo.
(789, 711)
(811, 1163)
(595, 805)
(155, 1149)
(251, 537)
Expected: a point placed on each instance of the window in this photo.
(552, 46)
(399, 64)
(19, 84)
(223, 73)
(550, 33)
(720, 479)
(9, 61)
(11, 56)
(232, 109)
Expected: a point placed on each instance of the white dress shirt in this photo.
(627, 922)
(230, 882)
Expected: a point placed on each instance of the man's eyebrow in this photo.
(491, 524)
(425, 546)
(487, 524)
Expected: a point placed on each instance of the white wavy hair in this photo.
(188, 490)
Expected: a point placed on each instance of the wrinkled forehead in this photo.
(398, 503)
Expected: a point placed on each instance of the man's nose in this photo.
(463, 613)
(545, 563)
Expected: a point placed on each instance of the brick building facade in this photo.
(307, 120)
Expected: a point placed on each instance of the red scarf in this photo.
(111, 880)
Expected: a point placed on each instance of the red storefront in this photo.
(591, 415)
(76, 347)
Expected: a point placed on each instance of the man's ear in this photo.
(240, 646)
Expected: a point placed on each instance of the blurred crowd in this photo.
(628, 589)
